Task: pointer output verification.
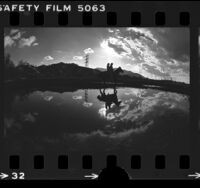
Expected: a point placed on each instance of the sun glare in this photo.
(107, 50)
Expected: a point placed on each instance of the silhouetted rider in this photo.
(111, 67)
(110, 70)
(108, 67)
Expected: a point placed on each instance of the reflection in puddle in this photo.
(77, 97)
(48, 98)
(92, 119)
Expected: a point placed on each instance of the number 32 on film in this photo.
(18, 176)
(91, 8)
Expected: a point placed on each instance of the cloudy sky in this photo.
(158, 53)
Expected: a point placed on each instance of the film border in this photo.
(156, 14)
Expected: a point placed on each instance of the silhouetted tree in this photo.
(23, 63)
(8, 62)
(9, 67)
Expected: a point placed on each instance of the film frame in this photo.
(133, 14)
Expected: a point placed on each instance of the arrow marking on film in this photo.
(3, 176)
(196, 175)
(92, 176)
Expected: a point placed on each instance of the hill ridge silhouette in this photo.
(73, 74)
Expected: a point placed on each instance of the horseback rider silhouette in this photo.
(109, 99)
(110, 70)
(108, 67)
(111, 74)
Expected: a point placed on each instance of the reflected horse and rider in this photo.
(110, 75)
(109, 99)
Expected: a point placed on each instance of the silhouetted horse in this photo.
(109, 98)
(106, 76)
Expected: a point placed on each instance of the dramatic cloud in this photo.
(142, 33)
(154, 53)
(27, 41)
(14, 31)
(88, 51)
(77, 58)
(15, 38)
(110, 30)
(48, 58)
(35, 44)
(175, 42)
(155, 71)
(138, 107)
(109, 50)
(8, 41)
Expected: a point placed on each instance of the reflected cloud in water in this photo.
(19, 120)
(29, 117)
(77, 97)
(87, 104)
(141, 105)
(114, 135)
(75, 122)
(48, 98)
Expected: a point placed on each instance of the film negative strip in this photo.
(99, 90)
